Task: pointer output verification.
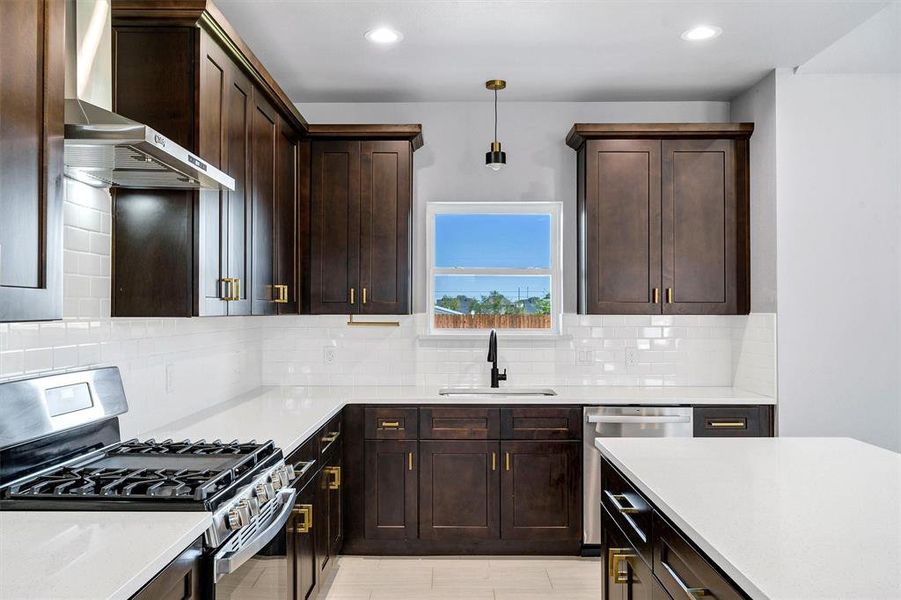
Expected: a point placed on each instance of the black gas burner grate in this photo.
(186, 447)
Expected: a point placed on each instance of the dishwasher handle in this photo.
(646, 419)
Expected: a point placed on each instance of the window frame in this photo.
(553, 209)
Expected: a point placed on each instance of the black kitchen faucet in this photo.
(496, 376)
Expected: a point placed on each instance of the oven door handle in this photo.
(225, 562)
(648, 419)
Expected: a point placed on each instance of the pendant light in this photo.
(495, 159)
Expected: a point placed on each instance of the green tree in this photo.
(542, 305)
(449, 303)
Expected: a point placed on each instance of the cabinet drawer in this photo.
(541, 423)
(628, 509)
(732, 421)
(469, 423)
(681, 568)
(329, 434)
(391, 423)
(304, 460)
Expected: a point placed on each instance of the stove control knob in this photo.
(289, 471)
(276, 480)
(250, 506)
(264, 493)
(284, 476)
(236, 519)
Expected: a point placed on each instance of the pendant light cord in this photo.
(495, 116)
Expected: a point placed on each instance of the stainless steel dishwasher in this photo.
(620, 421)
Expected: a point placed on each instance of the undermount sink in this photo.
(487, 391)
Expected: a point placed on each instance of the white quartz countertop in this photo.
(785, 518)
(289, 415)
(51, 555)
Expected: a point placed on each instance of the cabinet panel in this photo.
(390, 489)
(32, 72)
(458, 490)
(385, 222)
(733, 421)
(303, 575)
(334, 227)
(541, 423)
(391, 423)
(263, 136)
(700, 227)
(621, 224)
(459, 423)
(540, 491)
(180, 580)
(286, 221)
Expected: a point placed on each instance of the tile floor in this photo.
(464, 578)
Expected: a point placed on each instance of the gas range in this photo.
(60, 450)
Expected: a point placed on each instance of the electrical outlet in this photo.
(329, 355)
(631, 357)
(585, 358)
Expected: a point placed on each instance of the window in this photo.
(494, 265)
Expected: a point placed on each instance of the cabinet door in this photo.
(385, 222)
(321, 530)
(615, 573)
(302, 566)
(700, 227)
(540, 491)
(32, 73)
(390, 489)
(458, 490)
(263, 142)
(336, 504)
(286, 221)
(619, 212)
(335, 228)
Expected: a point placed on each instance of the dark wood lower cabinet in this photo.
(180, 580)
(541, 491)
(459, 486)
(303, 573)
(390, 470)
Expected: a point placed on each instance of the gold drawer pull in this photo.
(507, 460)
(618, 500)
(364, 295)
(614, 556)
(352, 292)
(304, 511)
(328, 438)
(690, 592)
(656, 295)
(742, 424)
(282, 297)
(493, 461)
(409, 461)
(391, 424)
(335, 472)
(669, 295)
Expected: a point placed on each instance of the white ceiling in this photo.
(547, 50)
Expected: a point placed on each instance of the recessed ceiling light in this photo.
(383, 35)
(702, 32)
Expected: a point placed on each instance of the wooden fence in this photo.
(492, 321)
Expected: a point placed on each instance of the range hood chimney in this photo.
(102, 148)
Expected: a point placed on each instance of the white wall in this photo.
(758, 105)
(839, 265)
(540, 166)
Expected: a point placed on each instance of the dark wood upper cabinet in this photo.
(186, 73)
(459, 486)
(361, 219)
(663, 218)
(32, 80)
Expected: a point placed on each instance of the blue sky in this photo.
(480, 240)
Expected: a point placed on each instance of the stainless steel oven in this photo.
(621, 421)
(252, 564)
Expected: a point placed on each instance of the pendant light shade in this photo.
(495, 159)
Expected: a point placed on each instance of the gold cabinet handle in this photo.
(227, 294)
(335, 472)
(282, 297)
(656, 295)
(614, 556)
(691, 592)
(352, 295)
(669, 295)
(305, 512)
(728, 424)
(507, 460)
(493, 461)
(330, 437)
(364, 295)
(390, 424)
(626, 509)
(409, 461)
(237, 289)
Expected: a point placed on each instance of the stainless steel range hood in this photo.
(103, 148)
